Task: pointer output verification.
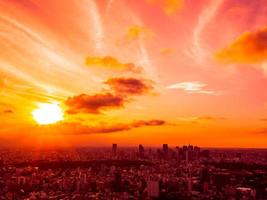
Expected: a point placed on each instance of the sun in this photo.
(47, 113)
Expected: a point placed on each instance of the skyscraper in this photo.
(141, 151)
(114, 149)
(165, 150)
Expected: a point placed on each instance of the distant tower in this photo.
(114, 149)
(165, 150)
(141, 150)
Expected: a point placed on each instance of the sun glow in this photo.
(47, 113)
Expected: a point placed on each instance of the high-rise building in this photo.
(165, 150)
(141, 151)
(114, 149)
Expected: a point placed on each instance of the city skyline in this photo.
(101, 72)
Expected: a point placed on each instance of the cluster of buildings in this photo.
(186, 172)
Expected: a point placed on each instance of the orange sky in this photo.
(130, 72)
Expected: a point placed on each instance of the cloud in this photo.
(148, 123)
(199, 119)
(169, 7)
(129, 86)
(211, 118)
(112, 63)
(199, 52)
(7, 111)
(120, 91)
(93, 103)
(139, 32)
(250, 47)
(192, 87)
(77, 128)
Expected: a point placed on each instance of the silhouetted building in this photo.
(114, 149)
(165, 150)
(141, 151)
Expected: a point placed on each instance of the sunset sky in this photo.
(134, 71)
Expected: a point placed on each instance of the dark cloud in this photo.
(77, 128)
(129, 86)
(7, 111)
(154, 122)
(121, 91)
(93, 103)
(250, 47)
(112, 63)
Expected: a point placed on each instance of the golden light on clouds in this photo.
(47, 113)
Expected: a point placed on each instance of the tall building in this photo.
(141, 151)
(165, 150)
(114, 149)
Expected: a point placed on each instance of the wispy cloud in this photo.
(201, 119)
(192, 87)
(199, 52)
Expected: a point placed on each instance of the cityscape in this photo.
(138, 173)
